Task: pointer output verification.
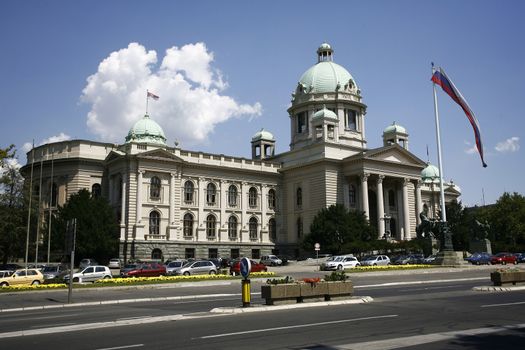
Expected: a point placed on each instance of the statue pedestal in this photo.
(480, 246)
(449, 258)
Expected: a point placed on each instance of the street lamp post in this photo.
(386, 218)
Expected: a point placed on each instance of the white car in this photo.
(91, 274)
(340, 262)
(271, 260)
(376, 260)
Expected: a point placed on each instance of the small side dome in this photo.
(324, 46)
(325, 114)
(430, 174)
(394, 129)
(146, 130)
(263, 135)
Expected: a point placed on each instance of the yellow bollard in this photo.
(246, 292)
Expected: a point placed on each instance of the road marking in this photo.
(297, 326)
(428, 288)
(389, 284)
(396, 343)
(55, 325)
(506, 304)
(123, 347)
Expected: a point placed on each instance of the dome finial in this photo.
(325, 53)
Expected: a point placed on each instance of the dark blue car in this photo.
(479, 259)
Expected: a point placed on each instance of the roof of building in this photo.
(146, 130)
(263, 135)
(324, 114)
(430, 174)
(394, 129)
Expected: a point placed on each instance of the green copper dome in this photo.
(430, 174)
(325, 114)
(326, 75)
(146, 131)
(394, 129)
(263, 135)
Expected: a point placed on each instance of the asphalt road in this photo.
(410, 311)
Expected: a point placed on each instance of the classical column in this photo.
(406, 212)
(244, 219)
(139, 197)
(364, 194)
(200, 220)
(380, 206)
(123, 233)
(172, 199)
(419, 206)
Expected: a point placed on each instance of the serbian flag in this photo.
(153, 96)
(439, 77)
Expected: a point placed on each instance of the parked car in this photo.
(173, 265)
(503, 258)
(55, 271)
(114, 263)
(10, 267)
(284, 259)
(126, 268)
(376, 260)
(146, 270)
(479, 259)
(408, 259)
(200, 267)
(5, 273)
(271, 260)
(22, 277)
(90, 274)
(520, 257)
(235, 269)
(340, 262)
(429, 259)
(86, 262)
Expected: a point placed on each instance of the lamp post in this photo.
(386, 218)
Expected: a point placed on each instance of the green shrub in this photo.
(287, 279)
(336, 276)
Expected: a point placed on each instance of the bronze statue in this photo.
(427, 227)
(481, 230)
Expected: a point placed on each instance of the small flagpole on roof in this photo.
(438, 140)
(147, 99)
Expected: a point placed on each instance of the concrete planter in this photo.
(278, 294)
(499, 278)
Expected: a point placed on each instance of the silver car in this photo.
(201, 267)
(90, 274)
(376, 260)
(174, 265)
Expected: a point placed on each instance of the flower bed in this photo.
(500, 277)
(389, 268)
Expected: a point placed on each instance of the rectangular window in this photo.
(330, 132)
(256, 253)
(234, 253)
(213, 253)
(350, 119)
(189, 253)
(302, 122)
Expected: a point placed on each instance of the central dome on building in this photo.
(326, 75)
(146, 130)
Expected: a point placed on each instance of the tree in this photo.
(97, 230)
(460, 224)
(507, 221)
(337, 229)
(13, 208)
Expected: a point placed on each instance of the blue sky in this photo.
(225, 69)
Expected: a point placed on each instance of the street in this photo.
(438, 309)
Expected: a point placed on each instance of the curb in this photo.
(498, 289)
(260, 308)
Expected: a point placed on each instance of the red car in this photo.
(235, 269)
(146, 270)
(504, 258)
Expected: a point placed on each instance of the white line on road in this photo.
(389, 284)
(296, 326)
(123, 347)
(506, 304)
(396, 343)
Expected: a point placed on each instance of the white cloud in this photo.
(471, 148)
(190, 104)
(509, 145)
(26, 147)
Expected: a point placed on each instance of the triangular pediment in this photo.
(113, 155)
(159, 154)
(390, 154)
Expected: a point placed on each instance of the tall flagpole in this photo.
(40, 216)
(30, 197)
(438, 140)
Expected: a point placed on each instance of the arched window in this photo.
(188, 225)
(271, 199)
(210, 226)
(232, 196)
(154, 223)
(252, 197)
(232, 227)
(299, 228)
(352, 196)
(391, 199)
(156, 254)
(299, 197)
(188, 192)
(252, 227)
(154, 189)
(211, 192)
(96, 190)
(272, 229)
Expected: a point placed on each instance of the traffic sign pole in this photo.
(245, 268)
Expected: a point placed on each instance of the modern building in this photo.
(172, 202)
